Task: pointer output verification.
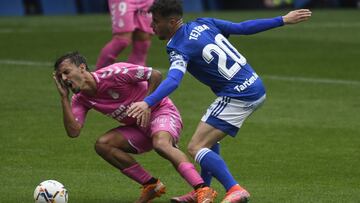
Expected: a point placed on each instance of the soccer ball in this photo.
(50, 191)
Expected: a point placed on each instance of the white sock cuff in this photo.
(201, 153)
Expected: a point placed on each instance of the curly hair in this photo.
(167, 8)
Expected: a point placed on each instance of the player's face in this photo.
(71, 75)
(162, 26)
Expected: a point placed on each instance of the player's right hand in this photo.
(63, 90)
(297, 16)
(143, 120)
(140, 111)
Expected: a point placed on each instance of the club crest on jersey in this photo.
(113, 94)
(140, 72)
(92, 103)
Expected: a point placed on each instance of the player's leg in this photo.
(165, 129)
(190, 197)
(224, 117)
(206, 175)
(142, 143)
(114, 147)
(164, 145)
(142, 34)
(113, 48)
(204, 137)
(140, 46)
(122, 18)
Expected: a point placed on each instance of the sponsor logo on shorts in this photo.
(246, 83)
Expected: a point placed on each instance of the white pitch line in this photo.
(52, 30)
(270, 77)
(24, 63)
(312, 80)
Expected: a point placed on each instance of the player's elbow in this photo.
(154, 80)
(73, 132)
(73, 135)
(157, 74)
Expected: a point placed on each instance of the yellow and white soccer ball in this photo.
(50, 191)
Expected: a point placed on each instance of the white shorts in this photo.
(228, 114)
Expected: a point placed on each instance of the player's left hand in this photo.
(140, 111)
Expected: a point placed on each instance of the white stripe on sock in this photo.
(200, 154)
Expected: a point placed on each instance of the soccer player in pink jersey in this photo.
(111, 90)
(130, 25)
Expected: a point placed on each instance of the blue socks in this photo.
(206, 175)
(215, 165)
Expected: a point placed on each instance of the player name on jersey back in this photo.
(196, 31)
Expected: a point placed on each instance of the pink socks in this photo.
(189, 173)
(110, 51)
(139, 52)
(137, 173)
(186, 170)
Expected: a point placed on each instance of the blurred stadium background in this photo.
(61, 7)
(303, 145)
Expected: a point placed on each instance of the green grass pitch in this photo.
(303, 145)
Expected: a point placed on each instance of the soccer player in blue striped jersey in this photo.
(202, 48)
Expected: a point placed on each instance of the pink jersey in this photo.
(118, 85)
(128, 15)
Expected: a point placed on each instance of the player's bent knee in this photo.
(101, 140)
(160, 145)
(99, 148)
(192, 150)
(101, 145)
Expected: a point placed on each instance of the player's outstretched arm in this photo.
(297, 16)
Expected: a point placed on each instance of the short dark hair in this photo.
(74, 57)
(167, 8)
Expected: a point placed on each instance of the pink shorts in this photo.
(128, 15)
(164, 117)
